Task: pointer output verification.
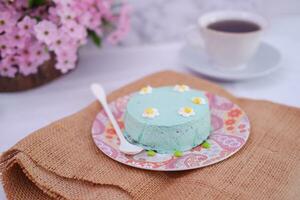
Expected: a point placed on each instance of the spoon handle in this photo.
(114, 122)
(100, 95)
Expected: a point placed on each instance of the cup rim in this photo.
(214, 16)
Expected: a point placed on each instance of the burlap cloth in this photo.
(61, 161)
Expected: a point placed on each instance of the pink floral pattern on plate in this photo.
(231, 129)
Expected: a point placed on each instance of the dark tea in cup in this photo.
(234, 26)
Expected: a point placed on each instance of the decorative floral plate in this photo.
(231, 129)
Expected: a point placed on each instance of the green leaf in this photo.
(96, 38)
(36, 3)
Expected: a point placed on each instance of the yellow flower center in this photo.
(197, 100)
(188, 110)
(149, 111)
(182, 87)
(144, 89)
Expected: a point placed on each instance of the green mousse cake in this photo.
(167, 119)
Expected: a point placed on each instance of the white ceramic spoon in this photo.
(125, 146)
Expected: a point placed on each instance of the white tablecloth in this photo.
(22, 113)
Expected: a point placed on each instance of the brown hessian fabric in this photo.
(61, 161)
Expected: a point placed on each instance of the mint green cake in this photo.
(167, 119)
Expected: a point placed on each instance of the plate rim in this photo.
(175, 169)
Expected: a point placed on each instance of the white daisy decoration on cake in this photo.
(146, 90)
(150, 112)
(181, 88)
(186, 111)
(198, 100)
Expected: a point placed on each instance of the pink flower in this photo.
(81, 41)
(85, 18)
(46, 31)
(66, 55)
(38, 53)
(24, 55)
(16, 39)
(25, 44)
(6, 45)
(62, 41)
(7, 69)
(7, 21)
(53, 16)
(66, 60)
(90, 2)
(39, 12)
(64, 2)
(65, 66)
(11, 59)
(74, 30)
(26, 26)
(123, 26)
(27, 67)
(90, 20)
(66, 14)
(20, 4)
(105, 8)
(2, 6)
(34, 52)
(31, 57)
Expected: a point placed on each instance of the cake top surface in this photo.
(168, 106)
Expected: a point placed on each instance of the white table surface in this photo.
(22, 113)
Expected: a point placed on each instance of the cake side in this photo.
(167, 139)
(177, 121)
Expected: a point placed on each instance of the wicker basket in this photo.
(45, 74)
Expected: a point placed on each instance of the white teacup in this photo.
(227, 49)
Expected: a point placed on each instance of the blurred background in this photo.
(160, 21)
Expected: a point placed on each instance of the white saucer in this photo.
(264, 62)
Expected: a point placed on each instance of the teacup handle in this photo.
(193, 37)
